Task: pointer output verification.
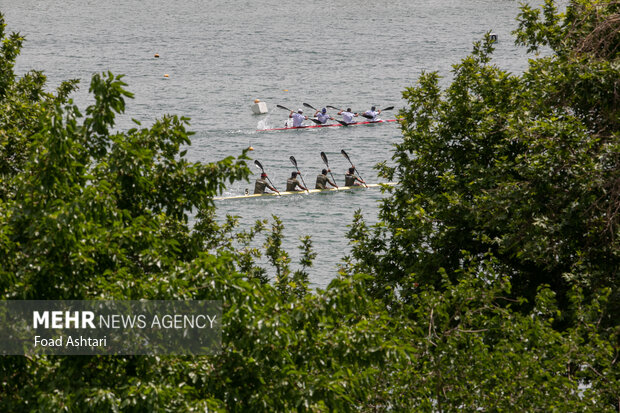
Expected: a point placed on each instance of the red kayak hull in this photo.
(330, 125)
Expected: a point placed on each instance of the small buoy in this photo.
(250, 148)
(493, 37)
(286, 90)
(165, 74)
(256, 100)
(156, 55)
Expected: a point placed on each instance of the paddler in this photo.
(322, 116)
(261, 184)
(350, 179)
(347, 115)
(372, 114)
(322, 180)
(292, 183)
(298, 118)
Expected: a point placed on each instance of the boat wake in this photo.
(264, 124)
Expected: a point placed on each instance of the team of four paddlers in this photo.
(321, 116)
(292, 184)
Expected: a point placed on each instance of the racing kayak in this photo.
(330, 125)
(312, 191)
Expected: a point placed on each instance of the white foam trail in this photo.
(264, 124)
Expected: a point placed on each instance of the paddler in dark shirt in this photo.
(292, 183)
(261, 184)
(350, 179)
(322, 180)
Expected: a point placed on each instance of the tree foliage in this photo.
(521, 166)
(512, 179)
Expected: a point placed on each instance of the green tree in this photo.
(22, 102)
(504, 228)
(523, 166)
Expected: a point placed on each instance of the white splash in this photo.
(264, 124)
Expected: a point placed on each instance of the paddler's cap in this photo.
(300, 111)
(263, 175)
(373, 108)
(323, 110)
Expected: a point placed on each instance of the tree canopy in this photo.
(522, 167)
(512, 178)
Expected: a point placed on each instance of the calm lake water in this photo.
(221, 55)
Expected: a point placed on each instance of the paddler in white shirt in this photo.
(322, 116)
(347, 115)
(298, 118)
(372, 114)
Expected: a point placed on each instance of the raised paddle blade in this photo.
(324, 157)
(388, 108)
(342, 151)
(293, 161)
(283, 107)
(333, 107)
(309, 106)
(257, 163)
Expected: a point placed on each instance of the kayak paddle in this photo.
(294, 162)
(313, 120)
(343, 123)
(382, 110)
(324, 157)
(316, 120)
(356, 171)
(257, 163)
